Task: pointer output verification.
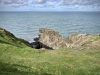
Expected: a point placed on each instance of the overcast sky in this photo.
(49, 5)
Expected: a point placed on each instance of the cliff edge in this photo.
(8, 38)
(52, 39)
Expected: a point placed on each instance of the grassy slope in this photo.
(18, 59)
(27, 61)
(8, 38)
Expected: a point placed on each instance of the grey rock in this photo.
(50, 38)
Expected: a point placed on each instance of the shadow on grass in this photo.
(8, 69)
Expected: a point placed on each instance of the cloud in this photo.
(14, 1)
(58, 2)
(78, 2)
(18, 5)
(51, 4)
(39, 1)
(42, 1)
(0, 1)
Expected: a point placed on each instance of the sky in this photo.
(49, 5)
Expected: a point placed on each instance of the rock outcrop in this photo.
(51, 39)
(83, 41)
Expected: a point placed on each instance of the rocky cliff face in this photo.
(83, 41)
(51, 39)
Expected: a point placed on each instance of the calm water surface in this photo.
(26, 24)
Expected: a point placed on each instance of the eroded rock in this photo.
(48, 38)
(83, 41)
(51, 39)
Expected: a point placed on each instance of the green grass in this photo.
(16, 58)
(8, 38)
(27, 61)
(86, 43)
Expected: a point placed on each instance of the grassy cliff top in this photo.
(8, 38)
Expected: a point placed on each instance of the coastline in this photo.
(48, 39)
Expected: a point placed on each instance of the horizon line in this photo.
(50, 11)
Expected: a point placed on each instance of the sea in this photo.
(26, 25)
